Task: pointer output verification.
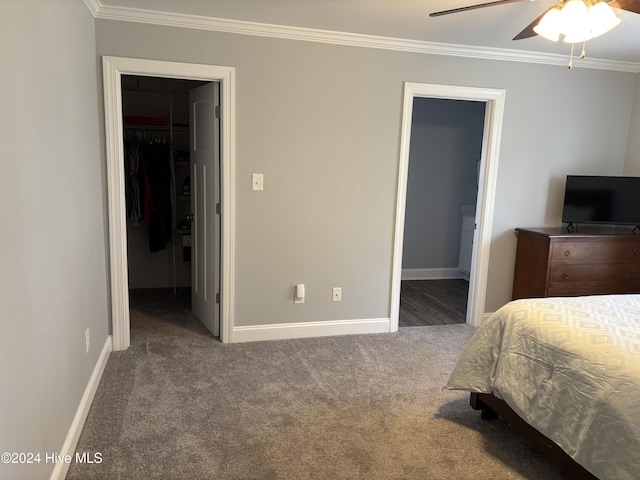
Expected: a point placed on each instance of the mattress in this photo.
(570, 367)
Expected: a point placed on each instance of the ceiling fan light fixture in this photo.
(576, 26)
(550, 25)
(602, 18)
(577, 21)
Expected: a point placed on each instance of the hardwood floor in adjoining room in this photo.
(433, 302)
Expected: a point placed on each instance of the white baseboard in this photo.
(70, 443)
(431, 273)
(309, 329)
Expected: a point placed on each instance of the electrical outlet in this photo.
(257, 181)
(298, 293)
(87, 340)
(337, 294)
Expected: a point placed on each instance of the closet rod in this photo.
(151, 128)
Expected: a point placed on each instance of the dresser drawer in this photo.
(595, 272)
(608, 251)
(591, 288)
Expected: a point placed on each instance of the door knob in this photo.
(190, 217)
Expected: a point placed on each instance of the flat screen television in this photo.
(602, 199)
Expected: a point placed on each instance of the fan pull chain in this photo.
(583, 54)
(571, 57)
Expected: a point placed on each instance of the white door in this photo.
(204, 138)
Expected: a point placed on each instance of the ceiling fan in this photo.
(628, 5)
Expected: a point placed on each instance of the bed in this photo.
(570, 368)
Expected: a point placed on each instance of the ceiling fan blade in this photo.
(628, 5)
(528, 31)
(482, 5)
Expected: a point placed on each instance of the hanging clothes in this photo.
(158, 167)
(132, 183)
(150, 186)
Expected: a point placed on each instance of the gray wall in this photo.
(632, 163)
(322, 123)
(53, 276)
(446, 144)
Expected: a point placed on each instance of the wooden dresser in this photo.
(552, 262)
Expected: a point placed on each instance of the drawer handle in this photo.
(632, 273)
(635, 251)
(567, 253)
(565, 276)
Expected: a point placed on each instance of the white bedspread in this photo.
(570, 367)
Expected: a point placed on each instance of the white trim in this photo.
(94, 6)
(281, 331)
(431, 273)
(73, 435)
(116, 206)
(239, 27)
(113, 69)
(486, 193)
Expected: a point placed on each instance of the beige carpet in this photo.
(180, 405)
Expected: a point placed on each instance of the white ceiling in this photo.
(492, 27)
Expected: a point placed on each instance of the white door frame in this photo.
(113, 69)
(494, 112)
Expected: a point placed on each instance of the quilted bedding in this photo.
(570, 367)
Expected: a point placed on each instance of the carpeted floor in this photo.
(180, 405)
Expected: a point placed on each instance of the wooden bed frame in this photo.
(492, 407)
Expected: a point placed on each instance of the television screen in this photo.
(598, 199)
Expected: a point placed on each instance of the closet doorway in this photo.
(172, 187)
(212, 132)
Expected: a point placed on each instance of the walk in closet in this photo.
(157, 181)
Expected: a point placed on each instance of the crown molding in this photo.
(94, 6)
(241, 27)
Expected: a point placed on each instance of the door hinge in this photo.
(218, 298)
(217, 111)
(218, 208)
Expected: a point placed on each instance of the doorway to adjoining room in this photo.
(442, 192)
